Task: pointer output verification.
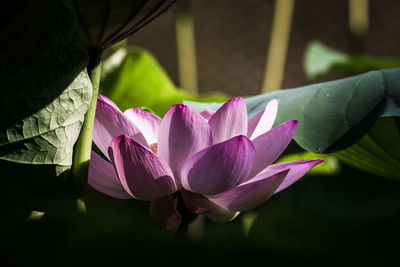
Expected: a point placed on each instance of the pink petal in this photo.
(207, 113)
(107, 100)
(147, 123)
(297, 169)
(142, 173)
(230, 120)
(270, 145)
(109, 123)
(220, 167)
(183, 132)
(164, 210)
(200, 205)
(251, 193)
(103, 178)
(263, 121)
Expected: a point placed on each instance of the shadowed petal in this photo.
(147, 123)
(142, 173)
(230, 120)
(207, 113)
(270, 145)
(200, 205)
(183, 132)
(297, 169)
(220, 167)
(164, 210)
(263, 121)
(110, 122)
(251, 193)
(103, 178)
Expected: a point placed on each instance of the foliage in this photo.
(133, 78)
(41, 114)
(335, 115)
(321, 60)
(104, 23)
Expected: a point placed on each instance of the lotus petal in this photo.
(147, 123)
(142, 173)
(200, 205)
(251, 193)
(183, 132)
(164, 210)
(110, 122)
(263, 121)
(207, 113)
(270, 145)
(297, 169)
(103, 178)
(220, 167)
(230, 120)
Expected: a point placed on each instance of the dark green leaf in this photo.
(378, 152)
(133, 78)
(333, 115)
(45, 94)
(106, 22)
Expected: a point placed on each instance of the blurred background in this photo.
(232, 38)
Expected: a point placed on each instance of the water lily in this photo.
(220, 162)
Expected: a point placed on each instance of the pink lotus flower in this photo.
(219, 162)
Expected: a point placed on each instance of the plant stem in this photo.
(186, 48)
(358, 25)
(275, 66)
(83, 146)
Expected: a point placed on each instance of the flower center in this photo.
(153, 147)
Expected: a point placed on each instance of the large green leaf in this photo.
(45, 94)
(320, 60)
(378, 152)
(132, 77)
(332, 115)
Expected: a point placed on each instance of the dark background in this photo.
(232, 38)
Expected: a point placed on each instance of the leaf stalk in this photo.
(83, 146)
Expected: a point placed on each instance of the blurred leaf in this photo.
(106, 22)
(332, 115)
(45, 94)
(329, 166)
(378, 152)
(131, 77)
(321, 60)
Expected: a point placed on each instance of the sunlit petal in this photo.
(230, 120)
(183, 132)
(110, 122)
(147, 123)
(263, 121)
(270, 145)
(219, 167)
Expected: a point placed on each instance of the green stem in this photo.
(83, 146)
